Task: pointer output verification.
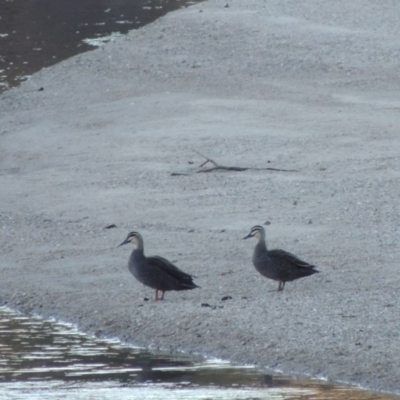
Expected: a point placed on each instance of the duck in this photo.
(155, 272)
(278, 265)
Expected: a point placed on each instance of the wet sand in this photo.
(110, 140)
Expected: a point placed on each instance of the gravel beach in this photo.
(113, 136)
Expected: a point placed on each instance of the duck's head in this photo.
(135, 238)
(257, 232)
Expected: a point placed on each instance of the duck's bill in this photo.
(126, 241)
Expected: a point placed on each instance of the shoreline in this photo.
(253, 85)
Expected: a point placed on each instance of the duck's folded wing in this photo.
(289, 258)
(169, 268)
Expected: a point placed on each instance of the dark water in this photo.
(42, 359)
(39, 33)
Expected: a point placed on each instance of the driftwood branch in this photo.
(217, 166)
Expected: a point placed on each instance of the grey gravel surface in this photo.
(307, 86)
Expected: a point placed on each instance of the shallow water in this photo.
(43, 359)
(40, 33)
